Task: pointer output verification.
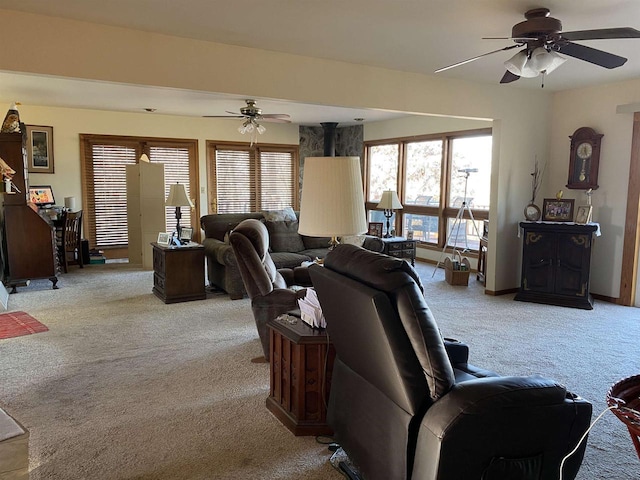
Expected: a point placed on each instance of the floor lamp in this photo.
(178, 198)
(389, 202)
(332, 198)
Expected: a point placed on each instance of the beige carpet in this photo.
(126, 387)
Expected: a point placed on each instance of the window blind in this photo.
(176, 170)
(104, 182)
(250, 179)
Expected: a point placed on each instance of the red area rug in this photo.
(16, 324)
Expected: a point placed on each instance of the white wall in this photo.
(90, 51)
(69, 123)
(596, 108)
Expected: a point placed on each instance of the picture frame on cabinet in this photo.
(584, 214)
(164, 238)
(375, 228)
(554, 210)
(40, 149)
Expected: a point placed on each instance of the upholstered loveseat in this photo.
(288, 249)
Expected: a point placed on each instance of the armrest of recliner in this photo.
(296, 276)
(482, 395)
(458, 352)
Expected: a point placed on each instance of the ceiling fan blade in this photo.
(274, 120)
(591, 55)
(602, 34)
(476, 58)
(223, 116)
(276, 115)
(509, 77)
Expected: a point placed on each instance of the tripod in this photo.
(458, 222)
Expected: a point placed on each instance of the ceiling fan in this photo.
(542, 38)
(251, 111)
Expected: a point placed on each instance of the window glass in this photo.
(471, 153)
(424, 227)
(423, 173)
(383, 170)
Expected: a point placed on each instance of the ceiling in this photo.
(409, 35)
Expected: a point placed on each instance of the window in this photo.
(104, 162)
(430, 174)
(245, 178)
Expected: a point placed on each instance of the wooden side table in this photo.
(178, 272)
(400, 247)
(301, 360)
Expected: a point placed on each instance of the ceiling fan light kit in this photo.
(542, 38)
(251, 116)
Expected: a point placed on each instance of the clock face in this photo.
(584, 150)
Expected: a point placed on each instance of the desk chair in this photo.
(69, 245)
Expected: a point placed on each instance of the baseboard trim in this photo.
(495, 293)
(604, 298)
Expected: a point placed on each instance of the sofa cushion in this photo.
(283, 237)
(289, 259)
(315, 242)
(357, 240)
(285, 215)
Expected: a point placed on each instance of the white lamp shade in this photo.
(332, 197)
(178, 196)
(545, 61)
(70, 203)
(389, 201)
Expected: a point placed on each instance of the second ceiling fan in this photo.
(543, 39)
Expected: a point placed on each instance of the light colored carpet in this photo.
(126, 387)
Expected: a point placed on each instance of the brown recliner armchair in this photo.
(406, 404)
(266, 286)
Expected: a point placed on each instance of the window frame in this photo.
(442, 211)
(254, 155)
(142, 145)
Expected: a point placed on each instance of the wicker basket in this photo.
(625, 397)
(457, 277)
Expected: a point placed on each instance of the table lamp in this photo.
(332, 198)
(389, 202)
(178, 198)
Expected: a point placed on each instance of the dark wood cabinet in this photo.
(301, 360)
(556, 263)
(178, 272)
(400, 247)
(28, 246)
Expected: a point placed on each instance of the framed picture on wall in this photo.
(39, 149)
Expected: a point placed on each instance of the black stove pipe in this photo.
(329, 138)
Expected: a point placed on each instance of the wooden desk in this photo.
(178, 272)
(301, 360)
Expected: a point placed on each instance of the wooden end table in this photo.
(301, 361)
(400, 247)
(178, 272)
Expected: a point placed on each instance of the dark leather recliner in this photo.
(405, 404)
(265, 285)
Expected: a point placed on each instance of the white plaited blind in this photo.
(109, 181)
(250, 179)
(276, 180)
(176, 170)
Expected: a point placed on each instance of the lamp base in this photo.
(333, 243)
(388, 214)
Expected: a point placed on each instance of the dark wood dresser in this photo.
(28, 247)
(556, 263)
